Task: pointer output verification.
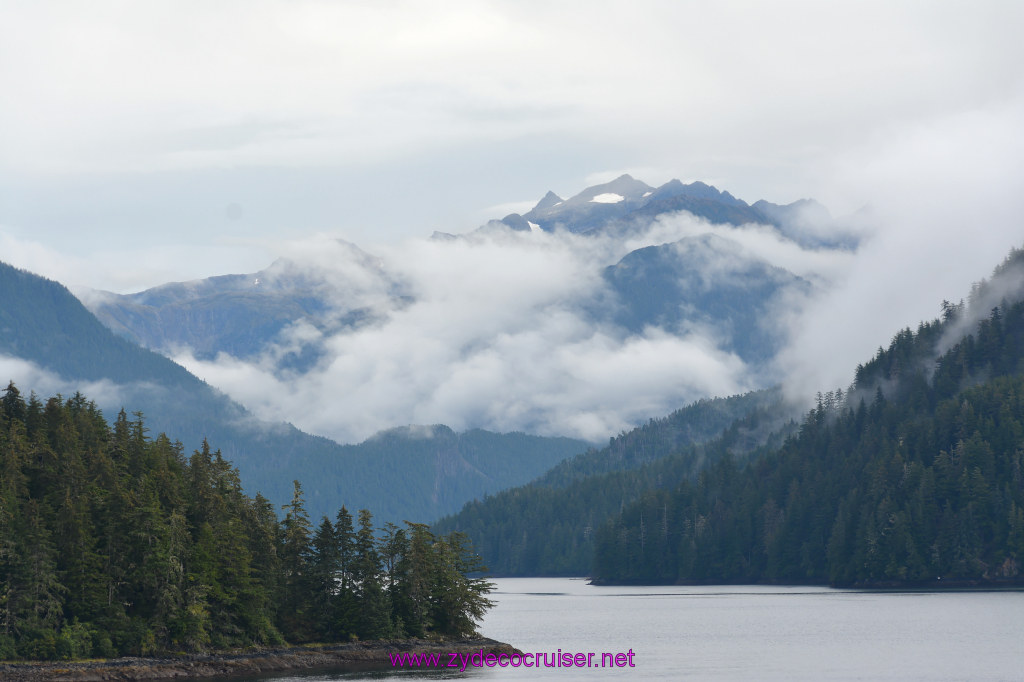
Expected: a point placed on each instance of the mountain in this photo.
(624, 203)
(401, 475)
(705, 282)
(242, 314)
(592, 208)
(915, 476)
(547, 526)
(422, 473)
(303, 316)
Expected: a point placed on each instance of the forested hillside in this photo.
(547, 527)
(916, 475)
(41, 322)
(115, 543)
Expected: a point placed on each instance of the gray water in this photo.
(750, 633)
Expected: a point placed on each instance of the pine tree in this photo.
(36, 592)
(457, 600)
(346, 609)
(324, 577)
(296, 588)
(374, 619)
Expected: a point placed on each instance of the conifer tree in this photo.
(325, 572)
(346, 609)
(295, 561)
(374, 619)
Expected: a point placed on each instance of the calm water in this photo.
(752, 633)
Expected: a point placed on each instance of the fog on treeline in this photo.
(914, 475)
(114, 543)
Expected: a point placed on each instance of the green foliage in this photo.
(113, 543)
(548, 526)
(913, 476)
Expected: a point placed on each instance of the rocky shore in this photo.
(356, 655)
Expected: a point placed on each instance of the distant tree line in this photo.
(113, 543)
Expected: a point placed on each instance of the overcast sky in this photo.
(147, 142)
(196, 135)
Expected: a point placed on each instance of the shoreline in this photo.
(951, 585)
(248, 662)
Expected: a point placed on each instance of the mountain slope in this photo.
(592, 208)
(42, 323)
(547, 526)
(916, 476)
(287, 303)
(421, 473)
(705, 282)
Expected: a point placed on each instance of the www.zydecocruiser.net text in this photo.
(528, 659)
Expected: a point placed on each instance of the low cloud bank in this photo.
(502, 331)
(945, 209)
(29, 377)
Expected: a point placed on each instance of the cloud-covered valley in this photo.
(502, 330)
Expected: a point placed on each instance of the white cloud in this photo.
(497, 335)
(945, 208)
(126, 270)
(29, 377)
(759, 241)
(195, 85)
(504, 209)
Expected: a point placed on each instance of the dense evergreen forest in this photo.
(547, 527)
(915, 475)
(115, 543)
